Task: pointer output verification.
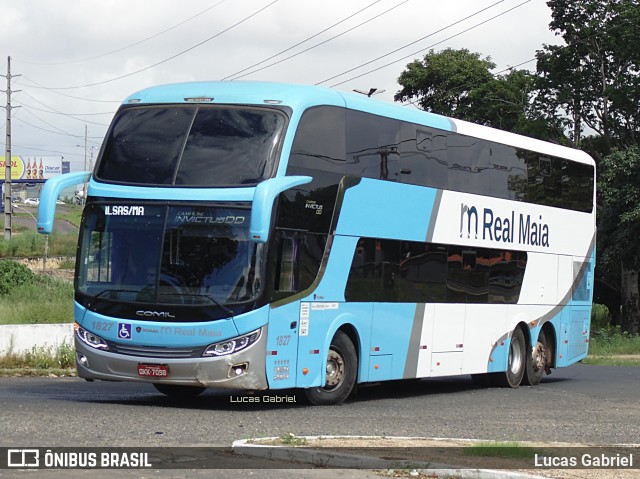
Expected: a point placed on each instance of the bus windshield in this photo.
(198, 255)
(192, 145)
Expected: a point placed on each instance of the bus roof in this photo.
(300, 97)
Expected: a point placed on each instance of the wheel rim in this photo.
(335, 370)
(515, 357)
(539, 356)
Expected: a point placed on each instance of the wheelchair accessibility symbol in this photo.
(124, 331)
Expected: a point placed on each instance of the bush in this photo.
(13, 275)
(600, 317)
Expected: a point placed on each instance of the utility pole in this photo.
(7, 158)
(84, 186)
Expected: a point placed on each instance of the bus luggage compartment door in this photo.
(282, 345)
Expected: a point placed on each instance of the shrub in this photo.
(12, 275)
(600, 317)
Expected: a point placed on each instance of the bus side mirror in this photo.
(262, 207)
(49, 195)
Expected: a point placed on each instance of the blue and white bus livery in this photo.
(268, 236)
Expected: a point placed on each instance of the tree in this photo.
(442, 82)
(619, 187)
(460, 84)
(593, 80)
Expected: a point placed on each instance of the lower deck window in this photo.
(413, 272)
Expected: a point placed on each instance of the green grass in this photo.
(45, 300)
(610, 346)
(41, 358)
(26, 242)
(612, 361)
(507, 450)
(71, 213)
(614, 342)
(29, 244)
(290, 439)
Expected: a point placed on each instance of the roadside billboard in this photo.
(32, 169)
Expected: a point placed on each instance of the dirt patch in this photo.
(49, 267)
(63, 274)
(462, 453)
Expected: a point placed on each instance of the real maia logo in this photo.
(514, 228)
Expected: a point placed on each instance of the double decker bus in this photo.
(261, 236)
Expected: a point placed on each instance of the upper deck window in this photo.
(192, 145)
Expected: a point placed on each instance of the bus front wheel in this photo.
(341, 372)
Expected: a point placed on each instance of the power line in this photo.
(45, 122)
(39, 86)
(172, 56)
(49, 150)
(128, 46)
(512, 67)
(28, 108)
(303, 41)
(319, 44)
(61, 132)
(411, 43)
(74, 116)
(431, 46)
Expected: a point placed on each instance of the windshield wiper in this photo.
(229, 311)
(104, 291)
(209, 297)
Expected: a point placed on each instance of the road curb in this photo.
(339, 460)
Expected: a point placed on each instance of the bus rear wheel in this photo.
(516, 362)
(179, 392)
(538, 361)
(341, 372)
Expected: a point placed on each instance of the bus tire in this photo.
(341, 373)
(179, 392)
(516, 363)
(537, 361)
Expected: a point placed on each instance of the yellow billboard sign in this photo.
(28, 169)
(17, 168)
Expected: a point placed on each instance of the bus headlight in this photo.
(90, 339)
(231, 346)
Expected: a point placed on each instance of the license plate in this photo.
(153, 370)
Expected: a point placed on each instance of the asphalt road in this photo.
(589, 404)
(593, 404)
(60, 226)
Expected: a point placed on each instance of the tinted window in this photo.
(319, 143)
(192, 145)
(295, 261)
(373, 146)
(176, 255)
(318, 151)
(230, 147)
(413, 272)
(144, 145)
(393, 150)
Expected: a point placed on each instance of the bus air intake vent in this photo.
(156, 351)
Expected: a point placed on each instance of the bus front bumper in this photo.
(242, 370)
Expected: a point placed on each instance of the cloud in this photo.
(56, 47)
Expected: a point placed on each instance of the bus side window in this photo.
(287, 262)
(387, 258)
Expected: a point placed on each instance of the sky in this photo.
(73, 62)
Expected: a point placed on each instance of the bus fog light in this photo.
(231, 346)
(238, 370)
(82, 359)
